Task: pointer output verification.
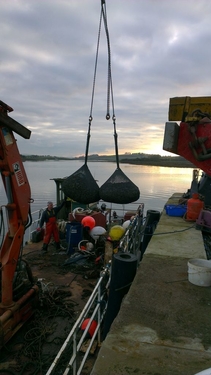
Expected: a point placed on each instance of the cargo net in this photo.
(35, 346)
(81, 186)
(119, 189)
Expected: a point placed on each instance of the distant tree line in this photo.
(141, 159)
(42, 158)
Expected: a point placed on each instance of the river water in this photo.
(156, 184)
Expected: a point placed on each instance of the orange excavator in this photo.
(19, 294)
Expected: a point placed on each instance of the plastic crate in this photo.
(176, 210)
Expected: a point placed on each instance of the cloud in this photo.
(159, 49)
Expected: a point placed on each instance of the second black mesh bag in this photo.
(119, 189)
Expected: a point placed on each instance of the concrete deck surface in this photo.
(164, 324)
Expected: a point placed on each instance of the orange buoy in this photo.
(194, 206)
(88, 221)
(92, 327)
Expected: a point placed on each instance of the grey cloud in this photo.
(159, 49)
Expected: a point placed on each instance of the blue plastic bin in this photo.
(176, 210)
(74, 234)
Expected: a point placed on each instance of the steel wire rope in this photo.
(103, 15)
(95, 69)
(109, 80)
(110, 85)
(93, 90)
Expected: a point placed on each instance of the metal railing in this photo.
(118, 208)
(36, 215)
(94, 310)
(95, 307)
(133, 236)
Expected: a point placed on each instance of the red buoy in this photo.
(88, 221)
(92, 327)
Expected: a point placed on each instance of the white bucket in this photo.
(205, 372)
(199, 272)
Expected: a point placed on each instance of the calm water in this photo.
(156, 184)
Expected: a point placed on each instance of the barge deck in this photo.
(163, 326)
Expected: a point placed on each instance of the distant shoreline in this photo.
(176, 162)
(152, 163)
(161, 163)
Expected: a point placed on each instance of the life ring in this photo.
(85, 245)
(82, 245)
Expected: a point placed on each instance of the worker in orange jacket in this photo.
(49, 218)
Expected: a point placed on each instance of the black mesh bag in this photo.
(119, 189)
(81, 186)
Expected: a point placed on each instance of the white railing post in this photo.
(99, 313)
(95, 298)
(74, 353)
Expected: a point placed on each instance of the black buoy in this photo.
(123, 270)
(152, 218)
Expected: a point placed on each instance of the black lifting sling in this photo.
(81, 186)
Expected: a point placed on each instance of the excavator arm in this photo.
(13, 311)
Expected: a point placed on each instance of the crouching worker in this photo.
(49, 218)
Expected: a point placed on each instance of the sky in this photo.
(159, 49)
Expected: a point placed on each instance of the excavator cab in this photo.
(18, 292)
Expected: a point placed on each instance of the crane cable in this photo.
(109, 85)
(93, 90)
(103, 15)
(110, 97)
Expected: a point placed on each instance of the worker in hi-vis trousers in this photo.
(49, 218)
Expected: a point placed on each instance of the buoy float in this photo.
(116, 232)
(88, 221)
(96, 232)
(92, 327)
